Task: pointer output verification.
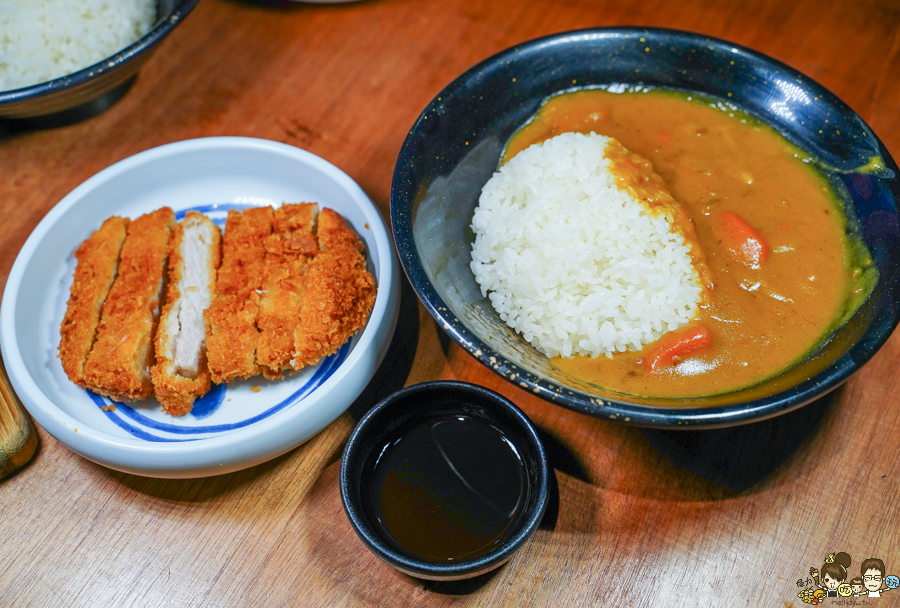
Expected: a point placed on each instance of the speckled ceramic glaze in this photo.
(92, 90)
(455, 146)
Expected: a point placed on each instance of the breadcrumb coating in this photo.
(232, 342)
(339, 292)
(288, 250)
(98, 259)
(118, 365)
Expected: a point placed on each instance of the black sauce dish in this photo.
(94, 89)
(444, 480)
(455, 145)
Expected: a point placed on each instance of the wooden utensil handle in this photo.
(18, 439)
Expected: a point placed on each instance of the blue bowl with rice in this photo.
(456, 146)
(39, 88)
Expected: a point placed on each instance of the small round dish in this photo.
(444, 480)
(456, 143)
(236, 425)
(90, 91)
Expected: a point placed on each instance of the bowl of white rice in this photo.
(518, 284)
(63, 61)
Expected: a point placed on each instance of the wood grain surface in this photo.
(638, 517)
(18, 439)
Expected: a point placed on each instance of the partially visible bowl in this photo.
(455, 145)
(91, 90)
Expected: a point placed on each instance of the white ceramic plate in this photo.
(237, 425)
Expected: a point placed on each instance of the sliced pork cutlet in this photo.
(233, 338)
(118, 365)
(98, 259)
(181, 373)
(288, 249)
(339, 292)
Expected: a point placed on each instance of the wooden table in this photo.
(639, 517)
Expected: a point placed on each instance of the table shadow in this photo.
(461, 587)
(394, 370)
(12, 127)
(738, 458)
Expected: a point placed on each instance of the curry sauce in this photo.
(719, 163)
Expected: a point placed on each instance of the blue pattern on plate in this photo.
(142, 427)
(213, 208)
(120, 412)
(206, 406)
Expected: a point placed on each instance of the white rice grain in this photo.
(573, 263)
(44, 39)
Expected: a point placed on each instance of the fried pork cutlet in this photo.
(98, 258)
(181, 374)
(292, 287)
(288, 249)
(339, 292)
(231, 344)
(118, 365)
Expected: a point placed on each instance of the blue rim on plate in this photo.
(455, 144)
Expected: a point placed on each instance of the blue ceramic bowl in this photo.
(420, 402)
(95, 88)
(455, 145)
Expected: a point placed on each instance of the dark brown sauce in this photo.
(449, 488)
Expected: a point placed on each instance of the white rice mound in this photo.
(44, 39)
(573, 263)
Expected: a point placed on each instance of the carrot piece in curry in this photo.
(677, 344)
(742, 243)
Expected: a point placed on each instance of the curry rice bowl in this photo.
(574, 263)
